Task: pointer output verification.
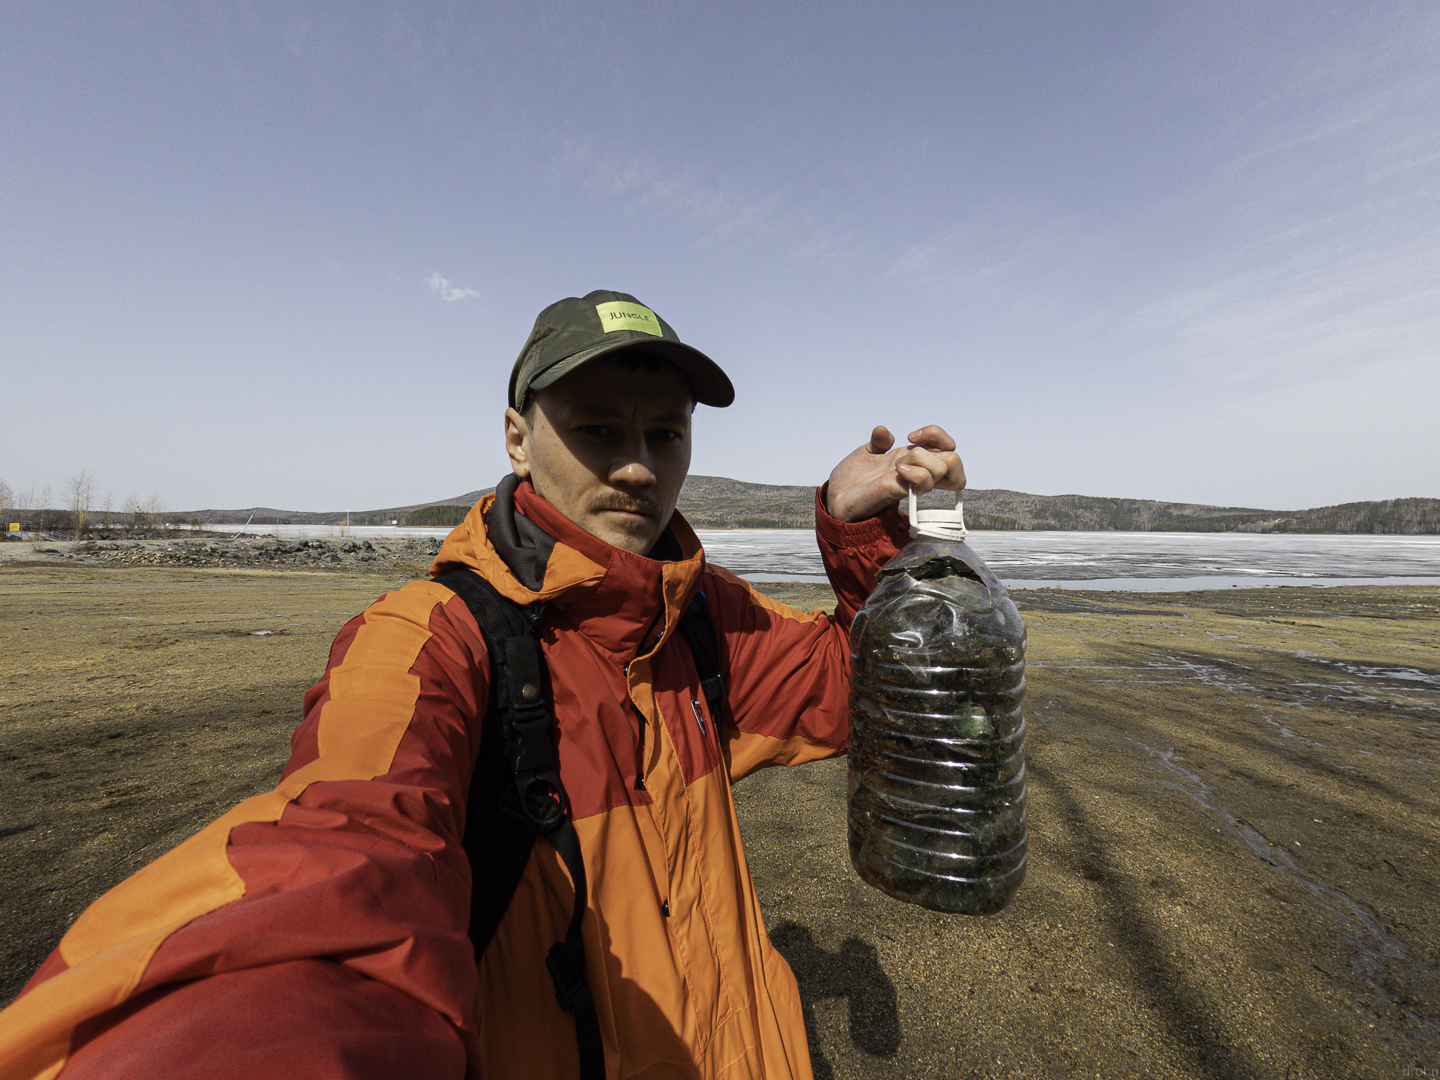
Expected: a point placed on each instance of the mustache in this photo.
(616, 500)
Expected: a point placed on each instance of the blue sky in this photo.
(285, 254)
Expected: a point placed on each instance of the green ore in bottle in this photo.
(937, 739)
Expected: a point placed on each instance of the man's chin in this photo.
(636, 534)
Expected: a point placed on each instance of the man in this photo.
(319, 930)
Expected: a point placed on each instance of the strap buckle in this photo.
(566, 961)
(538, 802)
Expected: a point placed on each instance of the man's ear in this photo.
(517, 443)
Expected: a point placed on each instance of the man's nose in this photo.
(632, 469)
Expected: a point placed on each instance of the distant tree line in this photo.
(1014, 510)
(78, 511)
(712, 502)
(717, 503)
(439, 516)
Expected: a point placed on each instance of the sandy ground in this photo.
(1233, 819)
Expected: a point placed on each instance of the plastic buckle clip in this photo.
(567, 970)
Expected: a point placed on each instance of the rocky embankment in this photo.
(332, 553)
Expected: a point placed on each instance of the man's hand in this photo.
(874, 476)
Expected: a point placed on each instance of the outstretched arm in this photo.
(875, 476)
(316, 930)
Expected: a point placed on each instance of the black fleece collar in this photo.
(523, 545)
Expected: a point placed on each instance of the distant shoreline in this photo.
(714, 502)
(411, 556)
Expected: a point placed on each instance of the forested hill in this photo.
(998, 509)
(714, 502)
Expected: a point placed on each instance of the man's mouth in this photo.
(627, 504)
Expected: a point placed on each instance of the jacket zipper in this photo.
(640, 772)
(640, 717)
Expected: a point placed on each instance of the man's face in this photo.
(609, 448)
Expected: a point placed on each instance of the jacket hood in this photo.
(532, 553)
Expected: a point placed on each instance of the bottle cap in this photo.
(938, 524)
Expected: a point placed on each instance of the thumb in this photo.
(880, 440)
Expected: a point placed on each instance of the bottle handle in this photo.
(937, 524)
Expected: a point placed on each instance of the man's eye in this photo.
(664, 435)
(595, 431)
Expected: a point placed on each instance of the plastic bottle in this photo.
(937, 737)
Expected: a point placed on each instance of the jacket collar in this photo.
(626, 603)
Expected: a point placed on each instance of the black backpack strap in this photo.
(516, 794)
(497, 844)
(699, 631)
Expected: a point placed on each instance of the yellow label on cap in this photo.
(623, 315)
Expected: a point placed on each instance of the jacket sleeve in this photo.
(788, 673)
(317, 930)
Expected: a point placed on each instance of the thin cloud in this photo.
(442, 288)
(1324, 307)
(719, 208)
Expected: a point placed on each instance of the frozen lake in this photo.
(1109, 560)
(1078, 560)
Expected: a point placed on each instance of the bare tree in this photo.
(80, 492)
(9, 511)
(154, 512)
(25, 507)
(145, 516)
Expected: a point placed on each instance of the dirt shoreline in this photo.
(1233, 816)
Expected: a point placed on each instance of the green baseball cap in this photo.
(571, 331)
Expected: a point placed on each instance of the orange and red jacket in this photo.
(319, 930)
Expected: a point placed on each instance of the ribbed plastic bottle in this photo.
(937, 736)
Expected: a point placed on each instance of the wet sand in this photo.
(1233, 819)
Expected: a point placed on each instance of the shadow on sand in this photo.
(853, 973)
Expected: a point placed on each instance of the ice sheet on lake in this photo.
(1123, 560)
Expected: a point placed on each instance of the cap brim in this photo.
(710, 385)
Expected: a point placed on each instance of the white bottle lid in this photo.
(938, 524)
